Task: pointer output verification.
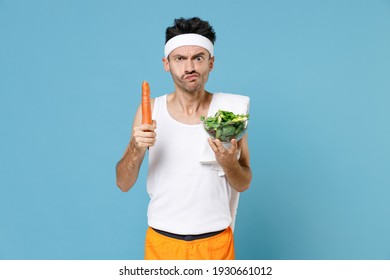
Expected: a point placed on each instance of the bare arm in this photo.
(237, 172)
(142, 137)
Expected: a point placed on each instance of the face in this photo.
(190, 67)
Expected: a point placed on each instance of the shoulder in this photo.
(237, 103)
(156, 101)
(232, 97)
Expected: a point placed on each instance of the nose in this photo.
(189, 65)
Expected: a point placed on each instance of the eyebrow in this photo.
(195, 55)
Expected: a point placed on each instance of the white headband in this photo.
(189, 39)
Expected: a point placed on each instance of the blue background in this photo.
(317, 73)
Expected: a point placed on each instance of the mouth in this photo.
(191, 77)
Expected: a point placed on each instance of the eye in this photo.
(178, 58)
(199, 58)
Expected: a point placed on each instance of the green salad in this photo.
(225, 125)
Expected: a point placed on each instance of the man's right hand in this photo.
(144, 136)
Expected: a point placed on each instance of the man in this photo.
(188, 214)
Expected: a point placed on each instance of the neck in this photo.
(189, 103)
(187, 108)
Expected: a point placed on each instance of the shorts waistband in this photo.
(189, 237)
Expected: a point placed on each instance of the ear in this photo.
(166, 64)
(211, 63)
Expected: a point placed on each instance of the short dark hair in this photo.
(190, 25)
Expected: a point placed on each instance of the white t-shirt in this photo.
(186, 196)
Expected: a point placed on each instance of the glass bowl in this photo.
(225, 132)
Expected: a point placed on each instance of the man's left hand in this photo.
(225, 157)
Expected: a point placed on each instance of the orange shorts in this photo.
(161, 247)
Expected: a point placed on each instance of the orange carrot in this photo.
(146, 108)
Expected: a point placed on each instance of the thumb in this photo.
(234, 145)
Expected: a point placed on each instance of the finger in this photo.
(146, 139)
(144, 134)
(212, 145)
(233, 146)
(220, 147)
(145, 143)
(147, 127)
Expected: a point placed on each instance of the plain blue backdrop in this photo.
(317, 73)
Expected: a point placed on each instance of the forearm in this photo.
(128, 167)
(239, 176)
